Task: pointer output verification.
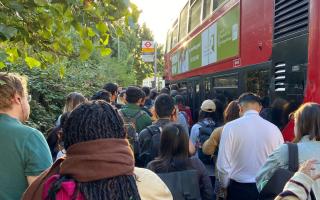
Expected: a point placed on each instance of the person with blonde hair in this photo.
(25, 152)
(72, 101)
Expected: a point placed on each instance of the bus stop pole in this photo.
(155, 65)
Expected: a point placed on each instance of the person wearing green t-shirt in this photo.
(24, 151)
(134, 98)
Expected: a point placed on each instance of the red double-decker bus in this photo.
(227, 47)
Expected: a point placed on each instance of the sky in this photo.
(159, 15)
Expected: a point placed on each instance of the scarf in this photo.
(86, 162)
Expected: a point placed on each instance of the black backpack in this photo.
(205, 131)
(183, 185)
(130, 128)
(149, 154)
(281, 176)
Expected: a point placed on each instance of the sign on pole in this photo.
(148, 51)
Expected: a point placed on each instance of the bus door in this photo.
(195, 96)
(190, 95)
(258, 81)
(198, 97)
(207, 85)
(183, 90)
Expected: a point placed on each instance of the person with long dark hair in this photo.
(99, 163)
(174, 156)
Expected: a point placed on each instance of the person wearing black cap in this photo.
(244, 147)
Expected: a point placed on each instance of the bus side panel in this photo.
(256, 31)
(313, 81)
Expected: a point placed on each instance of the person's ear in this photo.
(174, 111)
(17, 99)
(260, 108)
(240, 110)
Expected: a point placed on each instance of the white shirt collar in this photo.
(249, 112)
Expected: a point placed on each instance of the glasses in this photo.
(29, 98)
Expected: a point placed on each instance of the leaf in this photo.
(2, 65)
(106, 41)
(102, 27)
(84, 53)
(40, 2)
(8, 31)
(56, 46)
(32, 62)
(68, 15)
(91, 33)
(3, 55)
(105, 52)
(16, 6)
(126, 2)
(13, 54)
(88, 45)
(86, 49)
(47, 57)
(62, 71)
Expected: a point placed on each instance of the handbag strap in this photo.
(313, 196)
(293, 157)
(294, 162)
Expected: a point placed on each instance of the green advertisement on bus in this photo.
(218, 42)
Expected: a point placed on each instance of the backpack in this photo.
(149, 154)
(205, 132)
(281, 176)
(185, 115)
(130, 128)
(64, 190)
(183, 185)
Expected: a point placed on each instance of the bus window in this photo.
(175, 34)
(230, 81)
(258, 82)
(168, 46)
(207, 89)
(218, 3)
(183, 90)
(183, 23)
(206, 8)
(195, 11)
(226, 87)
(191, 97)
(197, 100)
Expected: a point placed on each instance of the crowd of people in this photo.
(137, 143)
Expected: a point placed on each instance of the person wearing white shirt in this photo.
(245, 145)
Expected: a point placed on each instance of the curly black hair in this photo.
(97, 120)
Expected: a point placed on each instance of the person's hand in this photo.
(307, 168)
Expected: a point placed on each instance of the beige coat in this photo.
(150, 186)
(210, 146)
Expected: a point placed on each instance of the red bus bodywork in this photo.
(256, 43)
(312, 93)
(255, 38)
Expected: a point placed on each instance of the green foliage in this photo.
(41, 32)
(50, 86)
(64, 46)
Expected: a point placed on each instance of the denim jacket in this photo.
(307, 149)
